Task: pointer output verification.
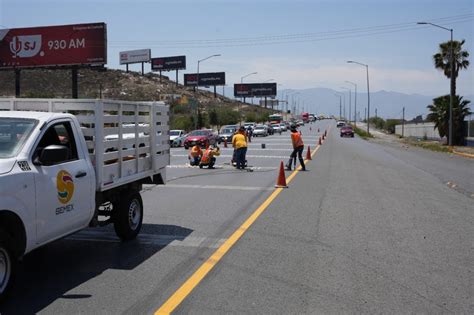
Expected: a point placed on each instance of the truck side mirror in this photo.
(53, 154)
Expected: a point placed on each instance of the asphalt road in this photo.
(365, 230)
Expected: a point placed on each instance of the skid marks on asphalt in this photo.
(93, 235)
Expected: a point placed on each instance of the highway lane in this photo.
(362, 232)
(92, 272)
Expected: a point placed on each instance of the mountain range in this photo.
(389, 104)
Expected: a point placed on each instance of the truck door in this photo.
(64, 197)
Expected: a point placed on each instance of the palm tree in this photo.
(442, 60)
(440, 116)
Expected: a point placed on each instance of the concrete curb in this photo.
(468, 155)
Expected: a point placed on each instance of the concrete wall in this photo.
(420, 130)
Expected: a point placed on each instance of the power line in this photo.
(293, 38)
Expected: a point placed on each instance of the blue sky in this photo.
(398, 61)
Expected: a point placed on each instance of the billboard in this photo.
(49, 46)
(168, 63)
(205, 79)
(135, 56)
(255, 89)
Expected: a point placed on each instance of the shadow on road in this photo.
(48, 273)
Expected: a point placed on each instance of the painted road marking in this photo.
(248, 155)
(217, 187)
(188, 286)
(148, 239)
(225, 167)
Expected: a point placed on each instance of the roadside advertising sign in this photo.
(255, 89)
(205, 79)
(135, 56)
(50, 46)
(168, 63)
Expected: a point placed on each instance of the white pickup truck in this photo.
(60, 172)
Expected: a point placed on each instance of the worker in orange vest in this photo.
(195, 155)
(298, 147)
(208, 157)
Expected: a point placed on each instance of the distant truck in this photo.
(60, 173)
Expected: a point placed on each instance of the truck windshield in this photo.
(13, 134)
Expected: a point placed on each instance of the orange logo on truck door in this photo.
(65, 186)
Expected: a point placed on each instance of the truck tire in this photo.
(7, 264)
(129, 216)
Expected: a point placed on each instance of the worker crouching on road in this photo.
(298, 147)
(239, 142)
(208, 158)
(195, 155)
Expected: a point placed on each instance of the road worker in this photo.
(239, 142)
(195, 155)
(298, 147)
(208, 157)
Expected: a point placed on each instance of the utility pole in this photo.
(376, 114)
(403, 122)
(365, 115)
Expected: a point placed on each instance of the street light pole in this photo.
(452, 82)
(368, 91)
(355, 102)
(197, 84)
(242, 79)
(350, 101)
(340, 105)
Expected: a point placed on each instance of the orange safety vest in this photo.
(206, 157)
(297, 140)
(195, 151)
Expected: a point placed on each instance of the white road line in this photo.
(218, 187)
(248, 156)
(255, 168)
(149, 239)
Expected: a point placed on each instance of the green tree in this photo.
(227, 116)
(250, 116)
(213, 118)
(439, 114)
(442, 60)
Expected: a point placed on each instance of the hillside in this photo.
(119, 85)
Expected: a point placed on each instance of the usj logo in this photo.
(25, 46)
(65, 186)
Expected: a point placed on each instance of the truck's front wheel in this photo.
(7, 264)
(128, 216)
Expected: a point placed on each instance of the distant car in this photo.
(340, 123)
(201, 137)
(179, 142)
(347, 131)
(260, 130)
(277, 128)
(283, 127)
(174, 134)
(226, 134)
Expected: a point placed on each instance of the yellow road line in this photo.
(188, 286)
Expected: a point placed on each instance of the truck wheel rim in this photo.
(134, 214)
(4, 269)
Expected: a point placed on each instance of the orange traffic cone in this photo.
(318, 129)
(281, 181)
(323, 136)
(319, 141)
(325, 133)
(308, 154)
(225, 143)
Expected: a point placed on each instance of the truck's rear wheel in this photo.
(128, 217)
(7, 264)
